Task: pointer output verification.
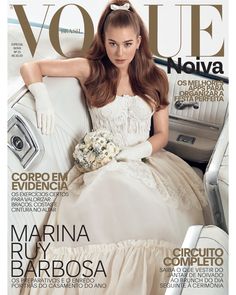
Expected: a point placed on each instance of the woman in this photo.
(135, 212)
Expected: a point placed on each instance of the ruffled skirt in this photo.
(135, 213)
(128, 267)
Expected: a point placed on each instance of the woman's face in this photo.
(121, 45)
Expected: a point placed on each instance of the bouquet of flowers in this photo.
(94, 150)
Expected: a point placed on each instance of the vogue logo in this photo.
(154, 12)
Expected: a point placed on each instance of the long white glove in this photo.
(137, 152)
(44, 108)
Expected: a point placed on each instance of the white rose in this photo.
(85, 150)
(111, 149)
(87, 139)
(91, 157)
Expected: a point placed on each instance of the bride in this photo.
(137, 208)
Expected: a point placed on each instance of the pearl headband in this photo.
(126, 6)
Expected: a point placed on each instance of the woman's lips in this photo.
(120, 61)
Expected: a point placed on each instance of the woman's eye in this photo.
(112, 44)
(128, 44)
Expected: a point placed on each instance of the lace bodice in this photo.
(127, 117)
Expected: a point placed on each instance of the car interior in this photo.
(203, 237)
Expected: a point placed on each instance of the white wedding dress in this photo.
(134, 212)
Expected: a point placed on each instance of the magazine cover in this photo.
(118, 147)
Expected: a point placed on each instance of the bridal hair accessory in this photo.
(126, 6)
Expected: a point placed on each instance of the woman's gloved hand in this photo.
(44, 108)
(137, 152)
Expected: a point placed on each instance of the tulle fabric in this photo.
(132, 267)
(135, 214)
